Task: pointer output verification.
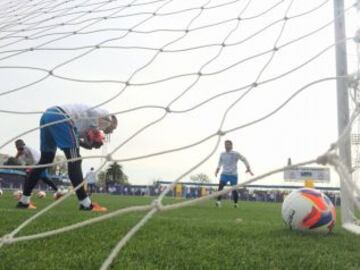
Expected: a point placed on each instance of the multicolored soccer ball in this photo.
(308, 209)
(41, 194)
(1, 192)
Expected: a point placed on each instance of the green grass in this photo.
(199, 237)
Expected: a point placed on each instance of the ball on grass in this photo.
(308, 209)
(41, 194)
(17, 194)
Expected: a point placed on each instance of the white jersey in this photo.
(29, 156)
(91, 177)
(84, 117)
(228, 161)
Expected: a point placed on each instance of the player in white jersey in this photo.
(30, 156)
(68, 127)
(228, 162)
(91, 180)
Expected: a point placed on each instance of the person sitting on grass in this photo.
(29, 156)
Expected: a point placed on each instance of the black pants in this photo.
(49, 183)
(74, 171)
(235, 194)
(46, 181)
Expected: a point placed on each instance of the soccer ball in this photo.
(1, 192)
(41, 194)
(58, 194)
(308, 209)
(17, 194)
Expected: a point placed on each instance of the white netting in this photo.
(194, 61)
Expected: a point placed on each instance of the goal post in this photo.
(348, 183)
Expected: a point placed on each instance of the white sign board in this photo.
(321, 175)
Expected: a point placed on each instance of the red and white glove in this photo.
(95, 137)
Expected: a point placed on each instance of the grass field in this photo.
(199, 237)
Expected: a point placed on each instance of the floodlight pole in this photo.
(342, 102)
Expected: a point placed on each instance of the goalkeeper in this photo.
(79, 125)
(228, 161)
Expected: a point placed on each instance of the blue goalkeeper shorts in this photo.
(226, 178)
(61, 135)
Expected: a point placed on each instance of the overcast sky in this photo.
(61, 33)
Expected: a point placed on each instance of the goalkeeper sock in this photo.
(86, 202)
(25, 199)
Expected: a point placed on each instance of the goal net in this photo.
(181, 76)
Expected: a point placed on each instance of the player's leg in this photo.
(235, 194)
(91, 188)
(31, 181)
(75, 171)
(76, 178)
(49, 183)
(222, 184)
(44, 176)
(221, 187)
